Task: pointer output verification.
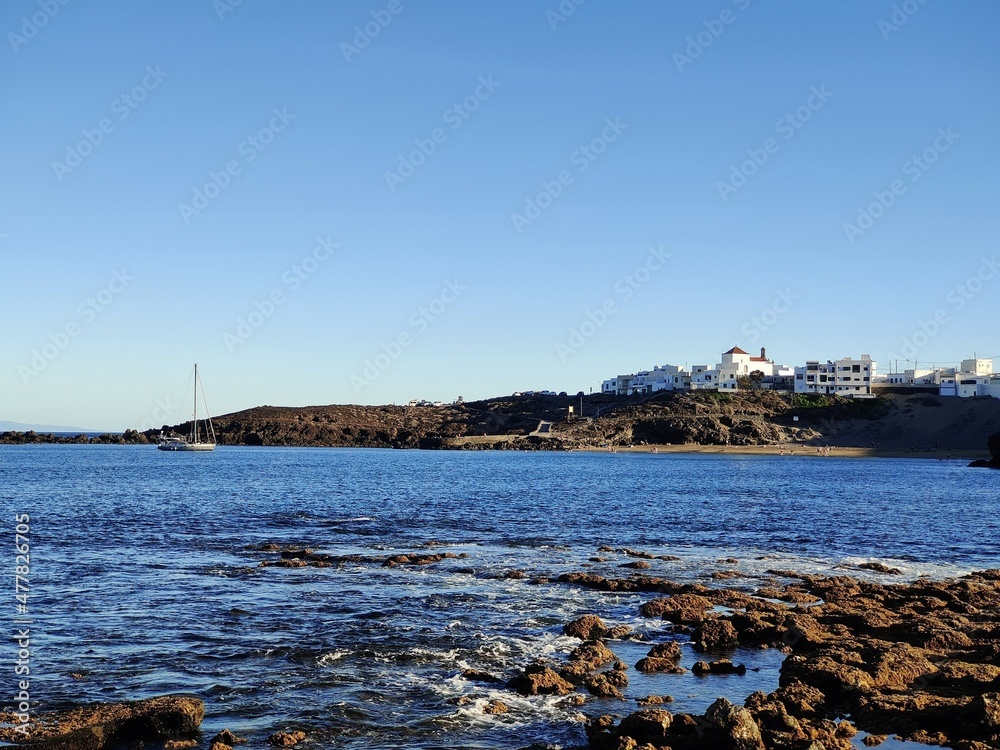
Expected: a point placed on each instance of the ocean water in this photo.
(145, 574)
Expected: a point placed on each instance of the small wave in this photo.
(331, 657)
(358, 519)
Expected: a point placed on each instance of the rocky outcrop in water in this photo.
(994, 462)
(103, 725)
(919, 660)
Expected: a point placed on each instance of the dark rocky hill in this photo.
(751, 418)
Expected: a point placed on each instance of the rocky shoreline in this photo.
(919, 660)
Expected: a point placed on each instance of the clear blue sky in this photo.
(692, 91)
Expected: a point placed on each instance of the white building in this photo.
(977, 367)
(737, 364)
(702, 377)
(968, 384)
(660, 378)
(668, 378)
(617, 386)
(843, 377)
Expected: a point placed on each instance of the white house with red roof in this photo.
(737, 363)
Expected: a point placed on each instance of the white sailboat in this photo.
(193, 442)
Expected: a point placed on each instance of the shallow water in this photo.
(143, 580)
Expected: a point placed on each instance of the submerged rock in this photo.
(720, 666)
(652, 664)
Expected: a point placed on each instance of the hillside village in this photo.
(847, 377)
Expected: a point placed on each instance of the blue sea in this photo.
(145, 573)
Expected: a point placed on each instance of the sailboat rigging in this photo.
(193, 442)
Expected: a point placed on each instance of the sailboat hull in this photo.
(185, 446)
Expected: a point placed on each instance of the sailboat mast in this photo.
(195, 402)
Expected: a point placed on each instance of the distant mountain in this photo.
(19, 427)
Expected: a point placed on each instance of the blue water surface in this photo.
(145, 574)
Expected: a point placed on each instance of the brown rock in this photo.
(100, 725)
(682, 608)
(800, 699)
(593, 654)
(669, 650)
(647, 725)
(989, 705)
(652, 665)
(714, 634)
(880, 568)
(801, 632)
(619, 632)
(606, 684)
(737, 725)
(654, 700)
(226, 737)
(538, 679)
(496, 707)
(586, 628)
(286, 739)
(600, 728)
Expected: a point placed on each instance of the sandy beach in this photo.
(795, 450)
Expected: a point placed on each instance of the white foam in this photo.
(331, 657)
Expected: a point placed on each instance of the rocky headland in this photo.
(892, 422)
